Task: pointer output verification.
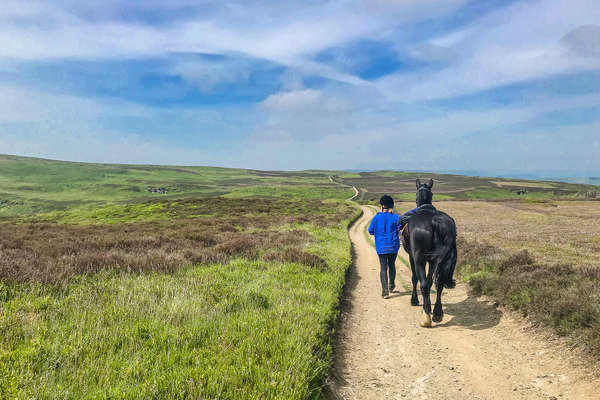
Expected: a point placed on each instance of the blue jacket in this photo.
(385, 227)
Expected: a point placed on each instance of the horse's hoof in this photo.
(437, 317)
(426, 321)
(414, 302)
(451, 284)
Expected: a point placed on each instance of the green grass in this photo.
(31, 185)
(412, 196)
(250, 329)
(112, 213)
(163, 210)
(303, 191)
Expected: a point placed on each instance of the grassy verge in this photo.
(251, 321)
(560, 296)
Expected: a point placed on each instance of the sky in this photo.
(480, 85)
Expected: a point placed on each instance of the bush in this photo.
(560, 296)
(51, 252)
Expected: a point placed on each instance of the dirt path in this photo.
(475, 353)
(356, 193)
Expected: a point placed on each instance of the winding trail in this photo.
(356, 190)
(477, 352)
(356, 193)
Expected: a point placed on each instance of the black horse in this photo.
(430, 237)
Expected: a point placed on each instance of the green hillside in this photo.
(30, 185)
(33, 185)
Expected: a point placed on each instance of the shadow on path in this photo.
(471, 314)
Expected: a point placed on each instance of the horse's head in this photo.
(424, 193)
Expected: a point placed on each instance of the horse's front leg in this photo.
(414, 299)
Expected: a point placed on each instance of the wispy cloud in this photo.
(514, 44)
(300, 84)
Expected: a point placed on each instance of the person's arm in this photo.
(406, 216)
(372, 227)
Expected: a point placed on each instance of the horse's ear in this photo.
(418, 183)
(430, 184)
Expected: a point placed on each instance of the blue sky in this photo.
(378, 84)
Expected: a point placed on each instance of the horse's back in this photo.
(432, 233)
(420, 228)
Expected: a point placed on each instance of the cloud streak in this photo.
(300, 84)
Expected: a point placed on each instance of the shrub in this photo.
(560, 296)
(51, 252)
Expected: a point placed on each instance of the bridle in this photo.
(424, 187)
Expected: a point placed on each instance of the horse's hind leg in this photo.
(444, 280)
(438, 311)
(414, 299)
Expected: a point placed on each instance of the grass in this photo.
(223, 299)
(189, 231)
(32, 185)
(300, 191)
(245, 330)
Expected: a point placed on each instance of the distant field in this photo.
(31, 185)
(525, 184)
(401, 185)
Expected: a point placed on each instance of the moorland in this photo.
(139, 281)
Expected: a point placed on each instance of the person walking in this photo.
(385, 226)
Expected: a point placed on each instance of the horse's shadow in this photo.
(397, 293)
(470, 314)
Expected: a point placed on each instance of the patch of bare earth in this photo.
(476, 352)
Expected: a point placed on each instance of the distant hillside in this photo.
(460, 187)
(32, 185)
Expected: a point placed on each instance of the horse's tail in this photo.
(444, 236)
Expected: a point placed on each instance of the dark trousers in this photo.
(388, 268)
